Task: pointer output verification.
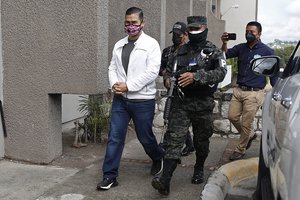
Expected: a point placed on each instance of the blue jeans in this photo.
(142, 114)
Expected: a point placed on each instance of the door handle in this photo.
(287, 102)
(277, 97)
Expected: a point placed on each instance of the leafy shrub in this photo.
(97, 110)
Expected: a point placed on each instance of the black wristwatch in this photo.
(196, 76)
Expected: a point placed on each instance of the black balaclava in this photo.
(199, 37)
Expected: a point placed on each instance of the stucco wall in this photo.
(1, 142)
(49, 47)
(55, 47)
(117, 8)
(1, 93)
(176, 10)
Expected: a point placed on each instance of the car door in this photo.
(279, 145)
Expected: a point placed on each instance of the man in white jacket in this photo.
(132, 72)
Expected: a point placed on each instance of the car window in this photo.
(293, 65)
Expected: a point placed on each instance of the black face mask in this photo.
(198, 38)
(176, 39)
(250, 37)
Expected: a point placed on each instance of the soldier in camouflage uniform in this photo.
(179, 36)
(201, 66)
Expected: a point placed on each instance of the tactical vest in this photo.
(191, 58)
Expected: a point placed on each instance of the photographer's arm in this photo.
(224, 39)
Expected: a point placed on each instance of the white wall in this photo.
(237, 18)
(70, 112)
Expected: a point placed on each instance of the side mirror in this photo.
(265, 65)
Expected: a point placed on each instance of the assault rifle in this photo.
(170, 94)
(169, 99)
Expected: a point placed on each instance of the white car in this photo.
(279, 161)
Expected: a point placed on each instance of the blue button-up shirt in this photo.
(245, 54)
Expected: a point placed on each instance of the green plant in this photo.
(97, 111)
(233, 63)
(284, 53)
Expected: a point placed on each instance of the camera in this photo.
(231, 36)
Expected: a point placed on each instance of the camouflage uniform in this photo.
(197, 104)
(194, 103)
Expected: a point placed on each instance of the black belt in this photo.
(246, 88)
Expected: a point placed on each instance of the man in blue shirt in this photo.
(248, 96)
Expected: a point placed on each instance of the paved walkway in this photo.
(74, 176)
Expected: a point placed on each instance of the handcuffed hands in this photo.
(119, 88)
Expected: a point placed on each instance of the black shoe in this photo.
(162, 187)
(198, 178)
(107, 183)
(251, 140)
(236, 156)
(187, 150)
(157, 167)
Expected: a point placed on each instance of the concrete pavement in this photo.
(74, 175)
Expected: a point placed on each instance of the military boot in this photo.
(162, 183)
(198, 176)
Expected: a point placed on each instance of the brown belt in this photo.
(246, 88)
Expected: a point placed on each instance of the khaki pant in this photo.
(242, 110)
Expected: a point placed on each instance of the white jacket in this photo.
(143, 67)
